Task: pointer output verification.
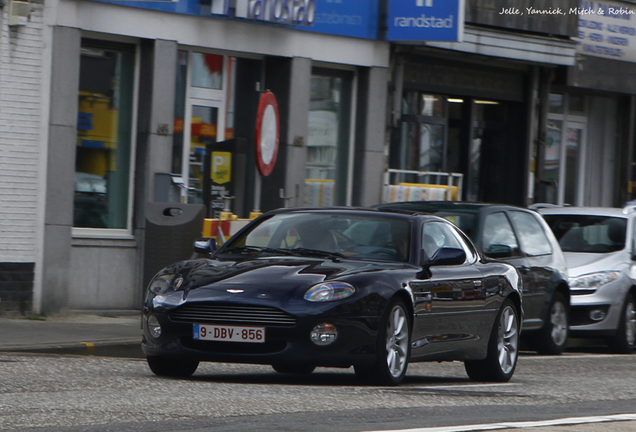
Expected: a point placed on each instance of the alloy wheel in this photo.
(559, 321)
(630, 324)
(508, 340)
(397, 340)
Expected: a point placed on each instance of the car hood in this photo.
(583, 263)
(266, 278)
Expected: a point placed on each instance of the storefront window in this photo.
(431, 148)
(561, 160)
(552, 160)
(432, 106)
(556, 103)
(207, 71)
(179, 112)
(328, 140)
(104, 129)
(572, 153)
(203, 132)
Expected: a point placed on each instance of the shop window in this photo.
(203, 132)
(179, 112)
(432, 106)
(328, 140)
(207, 71)
(556, 103)
(104, 131)
(561, 181)
(203, 116)
(423, 132)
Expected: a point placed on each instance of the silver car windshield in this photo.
(588, 233)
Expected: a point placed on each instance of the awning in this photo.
(498, 43)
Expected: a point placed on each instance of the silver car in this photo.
(599, 245)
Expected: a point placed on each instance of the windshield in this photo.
(588, 233)
(347, 235)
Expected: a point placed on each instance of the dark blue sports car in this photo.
(372, 289)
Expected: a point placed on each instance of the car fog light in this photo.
(597, 314)
(324, 334)
(154, 327)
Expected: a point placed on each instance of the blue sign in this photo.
(426, 20)
(354, 18)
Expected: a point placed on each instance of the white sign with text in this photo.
(607, 29)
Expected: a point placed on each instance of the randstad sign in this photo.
(426, 20)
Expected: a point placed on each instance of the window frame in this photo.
(119, 233)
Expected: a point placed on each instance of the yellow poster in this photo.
(221, 167)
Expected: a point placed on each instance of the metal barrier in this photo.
(409, 185)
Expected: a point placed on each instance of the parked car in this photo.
(522, 238)
(599, 246)
(301, 288)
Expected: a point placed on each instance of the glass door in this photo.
(202, 83)
(203, 131)
(329, 138)
(573, 181)
(561, 163)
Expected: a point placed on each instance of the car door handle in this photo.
(524, 269)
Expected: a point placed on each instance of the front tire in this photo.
(393, 348)
(172, 367)
(552, 338)
(625, 339)
(503, 349)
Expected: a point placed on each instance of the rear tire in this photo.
(503, 349)
(393, 348)
(625, 339)
(553, 337)
(172, 366)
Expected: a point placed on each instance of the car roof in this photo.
(459, 206)
(351, 210)
(595, 211)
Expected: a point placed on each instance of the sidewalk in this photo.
(103, 333)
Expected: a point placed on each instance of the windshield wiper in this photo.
(257, 249)
(316, 252)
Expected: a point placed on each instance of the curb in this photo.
(123, 348)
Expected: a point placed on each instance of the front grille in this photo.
(236, 314)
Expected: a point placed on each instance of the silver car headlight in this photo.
(329, 291)
(594, 280)
(165, 284)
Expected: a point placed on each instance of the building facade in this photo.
(123, 95)
(124, 122)
(474, 107)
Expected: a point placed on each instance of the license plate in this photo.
(229, 333)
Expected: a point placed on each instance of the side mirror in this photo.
(205, 246)
(448, 256)
(499, 251)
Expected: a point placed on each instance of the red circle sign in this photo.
(267, 133)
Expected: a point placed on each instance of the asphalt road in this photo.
(85, 393)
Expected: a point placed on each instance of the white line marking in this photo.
(518, 425)
(461, 386)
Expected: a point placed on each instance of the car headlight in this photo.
(165, 284)
(329, 291)
(594, 280)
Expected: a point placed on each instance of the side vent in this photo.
(19, 12)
